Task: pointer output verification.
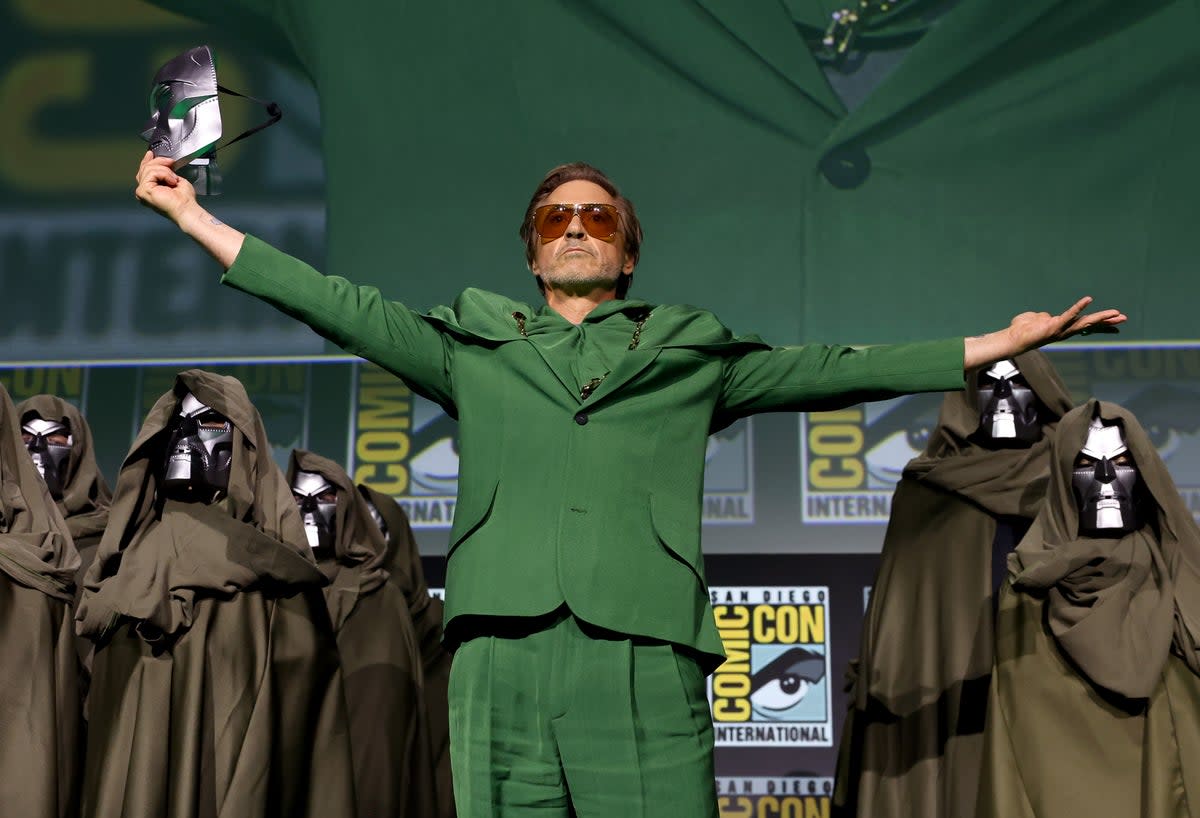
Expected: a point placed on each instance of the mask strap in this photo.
(273, 111)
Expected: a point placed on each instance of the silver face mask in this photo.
(199, 451)
(312, 492)
(376, 517)
(1008, 407)
(185, 117)
(1104, 482)
(44, 439)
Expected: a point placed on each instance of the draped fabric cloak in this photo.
(39, 681)
(1095, 705)
(216, 689)
(86, 496)
(381, 658)
(918, 692)
(425, 611)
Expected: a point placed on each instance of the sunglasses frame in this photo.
(577, 210)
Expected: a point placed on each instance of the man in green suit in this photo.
(575, 583)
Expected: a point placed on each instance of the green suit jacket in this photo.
(593, 502)
(1041, 143)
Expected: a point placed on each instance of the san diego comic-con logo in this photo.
(406, 446)
(789, 796)
(853, 458)
(773, 688)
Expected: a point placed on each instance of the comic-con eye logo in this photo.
(853, 458)
(777, 689)
(772, 690)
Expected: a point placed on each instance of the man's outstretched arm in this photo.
(814, 377)
(358, 319)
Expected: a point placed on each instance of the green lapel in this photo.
(965, 37)
(747, 54)
(766, 27)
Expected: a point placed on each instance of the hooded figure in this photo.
(39, 680)
(1095, 704)
(85, 497)
(82, 494)
(216, 689)
(381, 659)
(918, 692)
(406, 573)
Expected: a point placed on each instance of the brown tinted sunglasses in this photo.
(601, 221)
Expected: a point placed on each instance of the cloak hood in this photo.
(1002, 481)
(1115, 606)
(156, 556)
(360, 552)
(86, 496)
(36, 549)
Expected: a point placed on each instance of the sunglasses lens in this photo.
(551, 221)
(599, 220)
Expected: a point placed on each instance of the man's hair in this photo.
(630, 228)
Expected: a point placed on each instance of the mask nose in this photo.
(1003, 391)
(308, 505)
(1105, 472)
(37, 445)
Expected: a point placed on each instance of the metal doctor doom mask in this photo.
(317, 499)
(1104, 481)
(49, 443)
(376, 517)
(185, 117)
(199, 451)
(1008, 407)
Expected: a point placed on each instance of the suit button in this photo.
(581, 418)
(846, 167)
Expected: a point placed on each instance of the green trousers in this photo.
(555, 718)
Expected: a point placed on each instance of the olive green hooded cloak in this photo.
(918, 693)
(216, 689)
(381, 659)
(1095, 705)
(39, 680)
(86, 496)
(406, 573)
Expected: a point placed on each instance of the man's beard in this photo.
(579, 273)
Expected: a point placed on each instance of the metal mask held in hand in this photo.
(317, 499)
(199, 451)
(49, 443)
(1105, 480)
(185, 117)
(1008, 407)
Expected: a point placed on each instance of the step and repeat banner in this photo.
(794, 512)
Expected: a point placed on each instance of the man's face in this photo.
(576, 261)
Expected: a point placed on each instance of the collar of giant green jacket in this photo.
(478, 315)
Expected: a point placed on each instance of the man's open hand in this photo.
(1030, 330)
(1034, 329)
